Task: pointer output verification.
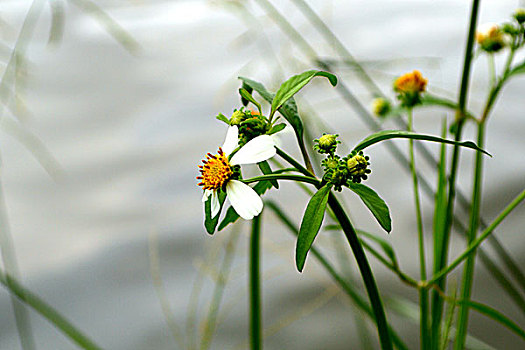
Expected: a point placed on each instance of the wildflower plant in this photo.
(249, 141)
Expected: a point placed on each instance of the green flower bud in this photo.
(237, 117)
(357, 166)
(381, 107)
(326, 144)
(519, 15)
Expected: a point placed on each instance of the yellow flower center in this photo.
(215, 172)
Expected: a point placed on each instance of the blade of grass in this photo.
(40, 306)
(211, 320)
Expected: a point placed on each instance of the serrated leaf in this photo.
(310, 225)
(400, 134)
(248, 96)
(266, 170)
(231, 215)
(374, 203)
(211, 223)
(296, 83)
(223, 118)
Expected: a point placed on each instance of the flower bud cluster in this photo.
(492, 37)
(251, 124)
(341, 171)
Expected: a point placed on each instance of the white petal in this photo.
(244, 199)
(206, 195)
(257, 150)
(232, 140)
(215, 206)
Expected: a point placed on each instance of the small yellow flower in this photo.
(490, 37)
(410, 83)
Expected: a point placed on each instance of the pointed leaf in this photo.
(209, 222)
(375, 203)
(312, 220)
(399, 134)
(222, 118)
(266, 170)
(296, 83)
(231, 215)
(248, 96)
(276, 128)
(288, 109)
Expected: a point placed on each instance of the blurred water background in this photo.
(129, 129)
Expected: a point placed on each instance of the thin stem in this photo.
(468, 274)
(294, 163)
(44, 309)
(366, 272)
(423, 294)
(357, 299)
(220, 284)
(299, 178)
(437, 303)
(255, 285)
(475, 244)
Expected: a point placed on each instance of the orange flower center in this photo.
(215, 172)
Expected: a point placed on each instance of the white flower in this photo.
(217, 173)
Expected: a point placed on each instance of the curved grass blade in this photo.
(375, 204)
(312, 220)
(399, 134)
(296, 83)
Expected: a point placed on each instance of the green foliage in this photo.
(399, 134)
(211, 223)
(310, 225)
(296, 83)
(374, 203)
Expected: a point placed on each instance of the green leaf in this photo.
(250, 90)
(496, 316)
(248, 96)
(266, 170)
(296, 83)
(375, 203)
(231, 215)
(222, 118)
(288, 109)
(519, 69)
(312, 220)
(276, 128)
(209, 222)
(432, 100)
(400, 134)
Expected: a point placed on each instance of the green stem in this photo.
(475, 244)
(468, 274)
(366, 272)
(294, 163)
(299, 178)
(48, 312)
(423, 294)
(358, 300)
(437, 303)
(255, 285)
